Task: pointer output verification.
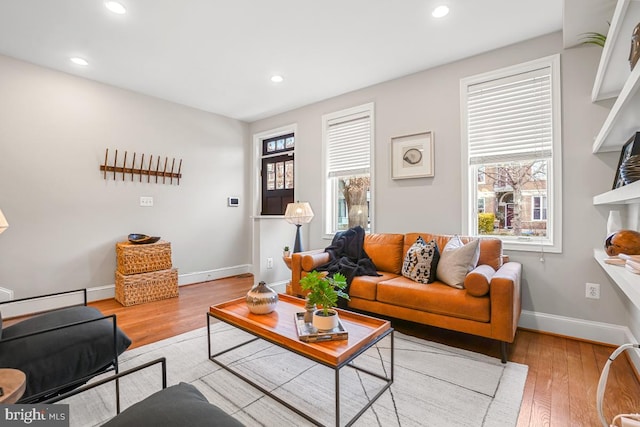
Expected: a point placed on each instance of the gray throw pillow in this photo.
(457, 260)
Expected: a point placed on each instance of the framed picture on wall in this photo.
(412, 156)
(630, 148)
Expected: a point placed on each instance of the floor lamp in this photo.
(297, 214)
(3, 222)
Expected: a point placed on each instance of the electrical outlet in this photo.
(593, 291)
(269, 262)
(146, 201)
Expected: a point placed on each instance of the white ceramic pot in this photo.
(325, 323)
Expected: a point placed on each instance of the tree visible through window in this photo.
(347, 137)
(512, 148)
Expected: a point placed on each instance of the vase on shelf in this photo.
(614, 222)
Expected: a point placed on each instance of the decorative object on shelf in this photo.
(623, 242)
(324, 292)
(286, 252)
(595, 38)
(629, 149)
(614, 222)
(149, 171)
(3, 223)
(261, 299)
(634, 54)
(412, 156)
(142, 239)
(298, 213)
(630, 169)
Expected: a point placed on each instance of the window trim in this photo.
(328, 194)
(256, 181)
(554, 183)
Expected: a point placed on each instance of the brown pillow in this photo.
(477, 281)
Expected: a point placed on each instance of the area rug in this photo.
(434, 385)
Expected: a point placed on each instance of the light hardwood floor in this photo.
(563, 373)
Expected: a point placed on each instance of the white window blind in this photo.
(510, 118)
(349, 145)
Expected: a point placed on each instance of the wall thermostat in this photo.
(233, 201)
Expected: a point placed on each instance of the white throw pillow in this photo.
(457, 260)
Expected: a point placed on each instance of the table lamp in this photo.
(4, 224)
(298, 213)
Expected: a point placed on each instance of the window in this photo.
(275, 181)
(539, 208)
(347, 143)
(511, 138)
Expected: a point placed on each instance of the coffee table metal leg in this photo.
(337, 397)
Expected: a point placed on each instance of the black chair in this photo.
(61, 349)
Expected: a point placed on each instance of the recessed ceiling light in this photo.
(115, 7)
(440, 11)
(79, 61)
(277, 79)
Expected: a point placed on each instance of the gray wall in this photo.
(65, 218)
(430, 100)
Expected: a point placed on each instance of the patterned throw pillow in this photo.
(421, 261)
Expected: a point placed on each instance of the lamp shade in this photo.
(3, 223)
(298, 213)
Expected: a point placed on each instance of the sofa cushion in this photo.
(421, 261)
(477, 282)
(457, 260)
(365, 286)
(386, 251)
(436, 298)
(59, 357)
(178, 405)
(490, 252)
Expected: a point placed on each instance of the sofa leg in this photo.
(503, 351)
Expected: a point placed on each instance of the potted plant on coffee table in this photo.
(324, 292)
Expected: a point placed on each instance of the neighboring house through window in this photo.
(347, 144)
(511, 146)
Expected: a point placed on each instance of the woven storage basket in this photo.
(136, 259)
(146, 287)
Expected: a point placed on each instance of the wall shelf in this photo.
(628, 282)
(613, 69)
(614, 78)
(628, 194)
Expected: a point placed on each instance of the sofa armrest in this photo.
(506, 301)
(302, 263)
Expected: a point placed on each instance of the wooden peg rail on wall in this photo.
(157, 170)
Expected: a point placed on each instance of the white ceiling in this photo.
(218, 56)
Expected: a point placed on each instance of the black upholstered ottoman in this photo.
(176, 406)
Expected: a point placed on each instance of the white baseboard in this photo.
(97, 293)
(606, 333)
(279, 287)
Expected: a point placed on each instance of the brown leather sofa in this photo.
(488, 306)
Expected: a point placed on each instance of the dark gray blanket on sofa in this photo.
(347, 256)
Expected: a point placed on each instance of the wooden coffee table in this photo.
(279, 328)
